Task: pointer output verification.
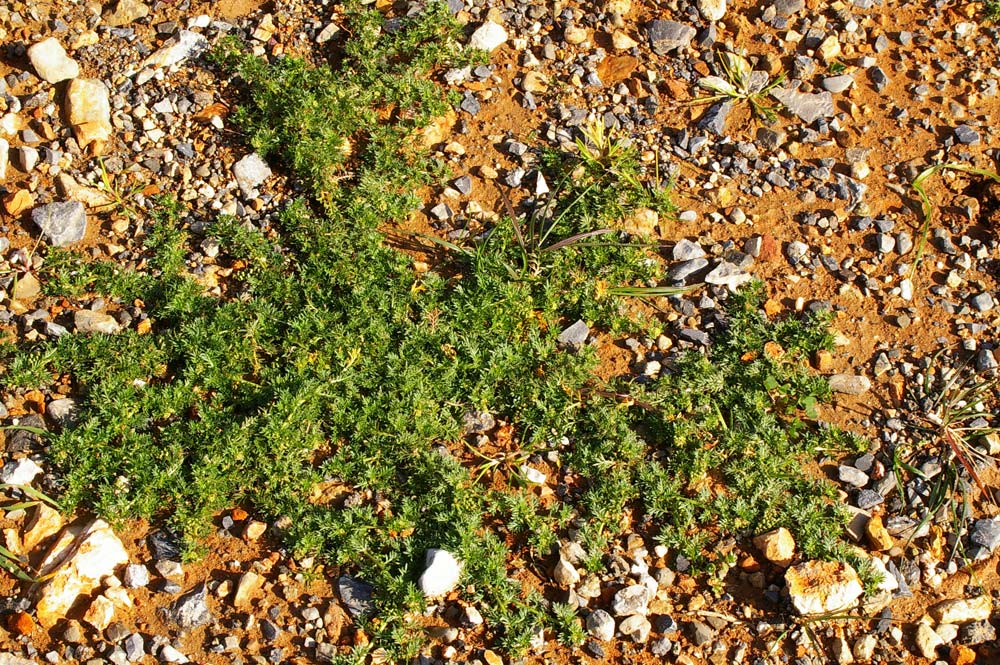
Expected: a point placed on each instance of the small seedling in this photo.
(739, 82)
(927, 208)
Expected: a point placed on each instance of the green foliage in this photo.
(334, 364)
(991, 10)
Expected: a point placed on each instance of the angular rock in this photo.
(88, 109)
(574, 336)
(49, 59)
(685, 250)
(667, 36)
(601, 626)
(441, 575)
(927, 641)
(100, 614)
(19, 472)
(136, 576)
(808, 107)
(90, 197)
(700, 633)
(61, 223)
(565, 573)
(637, 627)
(728, 275)
(714, 119)
(632, 599)
(62, 411)
(977, 632)
(126, 11)
(777, 546)
(168, 654)
(46, 522)
(488, 37)
(818, 587)
(89, 322)
(962, 610)
(850, 384)
(4, 158)
(712, 10)
(250, 582)
(986, 533)
(250, 172)
(78, 561)
(191, 610)
(186, 44)
(26, 287)
(356, 595)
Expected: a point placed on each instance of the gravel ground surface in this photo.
(816, 202)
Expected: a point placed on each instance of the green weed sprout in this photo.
(740, 83)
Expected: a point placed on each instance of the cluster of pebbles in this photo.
(815, 202)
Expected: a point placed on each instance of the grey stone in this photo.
(682, 271)
(356, 595)
(771, 139)
(191, 610)
(250, 172)
(685, 250)
(574, 336)
(850, 384)
(976, 632)
(852, 476)
(879, 78)
(714, 119)
(635, 626)
(986, 532)
(478, 422)
(982, 302)
(26, 158)
(868, 499)
(601, 626)
(796, 251)
(62, 411)
(633, 599)
(788, 8)
(808, 107)
(700, 633)
(667, 36)
(884, 243)
(967, 135)
(838, 84)
(661, 647)
(728, 275)
(488, 36)
(62, 223)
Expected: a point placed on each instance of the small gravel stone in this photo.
(700, 633)
(49, 59)
(632, 599)
(850, 384)
(852, 476)
(667, 36)
(967, 135)
(808, 107)
(250, 172)
(685, 250)
(488, 37)
(136, 576)
(61, 223)
(601, 626)
(575, 336)
(356, 595)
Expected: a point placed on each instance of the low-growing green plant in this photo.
(330, 362)
(927, 207)
(991, 10)
(738, 82)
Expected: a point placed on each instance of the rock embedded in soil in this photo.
(808, 107)
(986, 533)
(441, 575)
(637, 627)
(191, 610)
(927, 641)
(488, 37)
(777, 546)
(50, 60)
(850, 384)
(818, 587)
(575, 336)
(712, 10)
(62, 223)
(357, 596)
(19, 472)
(89, 322)
(601, 626)
(632, 599)
(78, 561)
(250, 172)
(962, 610)
(667, 36)
(564, 573)
(88, 110)
(125, 12)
